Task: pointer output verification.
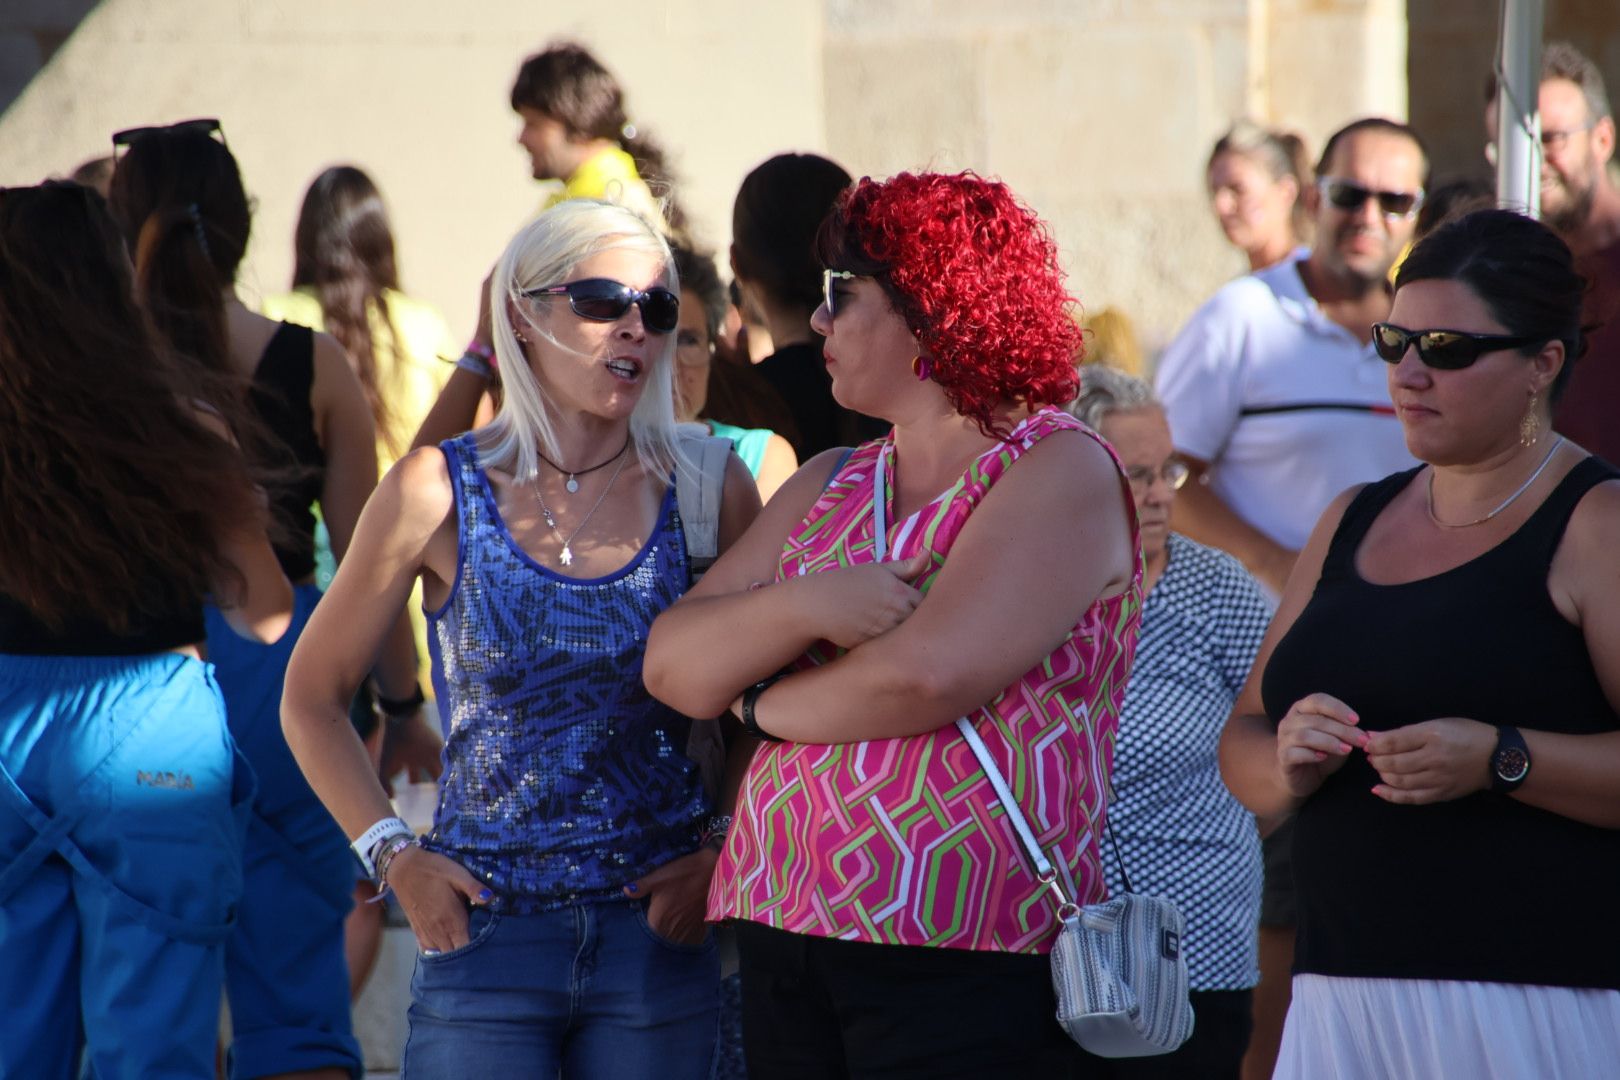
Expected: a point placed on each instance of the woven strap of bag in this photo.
(1043, 866)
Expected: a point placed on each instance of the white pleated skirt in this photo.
(1413, 1029)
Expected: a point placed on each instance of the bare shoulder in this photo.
(1067, 461)
(1593, 534)
(419, 485)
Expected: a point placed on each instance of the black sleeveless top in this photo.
(279, 396)
(1482, 888)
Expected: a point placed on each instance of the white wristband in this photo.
(367, 841)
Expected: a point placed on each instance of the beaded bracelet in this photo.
(368, 843)
(385, 857)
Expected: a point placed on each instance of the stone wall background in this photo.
(1098, 112)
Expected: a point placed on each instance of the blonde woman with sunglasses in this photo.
(558, 899)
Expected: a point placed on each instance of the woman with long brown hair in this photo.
(178, 195)
(120, 798)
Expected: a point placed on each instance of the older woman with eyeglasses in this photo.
(1180, 833)
(558, 898)
(978, 562)
(1438, 700)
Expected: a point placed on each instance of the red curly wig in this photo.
(974, 274)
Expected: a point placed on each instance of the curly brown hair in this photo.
(117, 492)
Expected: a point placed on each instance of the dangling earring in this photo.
(1530, 427)
(922, 367)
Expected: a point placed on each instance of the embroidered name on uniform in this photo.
(178, 781)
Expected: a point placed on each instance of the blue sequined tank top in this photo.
(564, 779)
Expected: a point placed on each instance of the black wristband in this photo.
(750, 697)
(398, 708)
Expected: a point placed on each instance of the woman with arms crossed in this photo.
(558, 899)
(981, 561)
(1438, 700)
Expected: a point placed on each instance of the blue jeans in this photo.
(586, 991)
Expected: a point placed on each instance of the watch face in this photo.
(1511, 764)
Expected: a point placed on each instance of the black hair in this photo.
(1373, 124)
(779, 208)
(1519, 268)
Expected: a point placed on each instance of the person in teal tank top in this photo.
(701, 382)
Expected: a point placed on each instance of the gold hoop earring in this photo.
(1530, 426)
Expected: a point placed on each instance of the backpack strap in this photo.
(698, 494)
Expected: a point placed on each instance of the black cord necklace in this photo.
(573, 482)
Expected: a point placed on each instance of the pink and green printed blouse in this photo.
(902, 841)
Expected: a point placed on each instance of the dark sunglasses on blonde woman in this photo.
(1447, 350)
(606, 300)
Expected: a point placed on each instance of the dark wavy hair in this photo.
(1519, 268)
(343, 251)
(974, 274)
(779, 206)
(178, 197)
(570, 85)
(117, 494)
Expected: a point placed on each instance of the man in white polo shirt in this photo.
(1277, 402)
(1274, 394)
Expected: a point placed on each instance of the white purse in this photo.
(1117, 967)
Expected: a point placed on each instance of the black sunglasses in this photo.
(829, 293)
(1348, 195)
(606, 300)
(130, 136)
(1448, 350)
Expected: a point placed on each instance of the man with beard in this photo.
(1275, 396)
(1278, 403)
(1580, 200)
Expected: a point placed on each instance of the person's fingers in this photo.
(1327, 705)
(1295, 726)
(1409, 796)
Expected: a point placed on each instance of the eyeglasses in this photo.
(1349, 195)
(1174, 473)
(1552, 142)
(827, 279)
(606, 300)
(1448, 350)
(122, 140)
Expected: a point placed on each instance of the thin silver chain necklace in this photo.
(567, 556)
(1524, 487)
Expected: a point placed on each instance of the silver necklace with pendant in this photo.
(1524, 487)
(567, 556)
(572, 484)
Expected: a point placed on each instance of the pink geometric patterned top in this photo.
(902, 841)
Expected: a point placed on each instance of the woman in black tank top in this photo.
(1438, 700)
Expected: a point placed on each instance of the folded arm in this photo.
(1051, 538)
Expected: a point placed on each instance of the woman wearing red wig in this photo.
(979, 561)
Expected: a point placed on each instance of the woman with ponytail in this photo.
(122, 801)
(178, 195)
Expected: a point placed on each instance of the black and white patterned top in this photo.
(1181, 833)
